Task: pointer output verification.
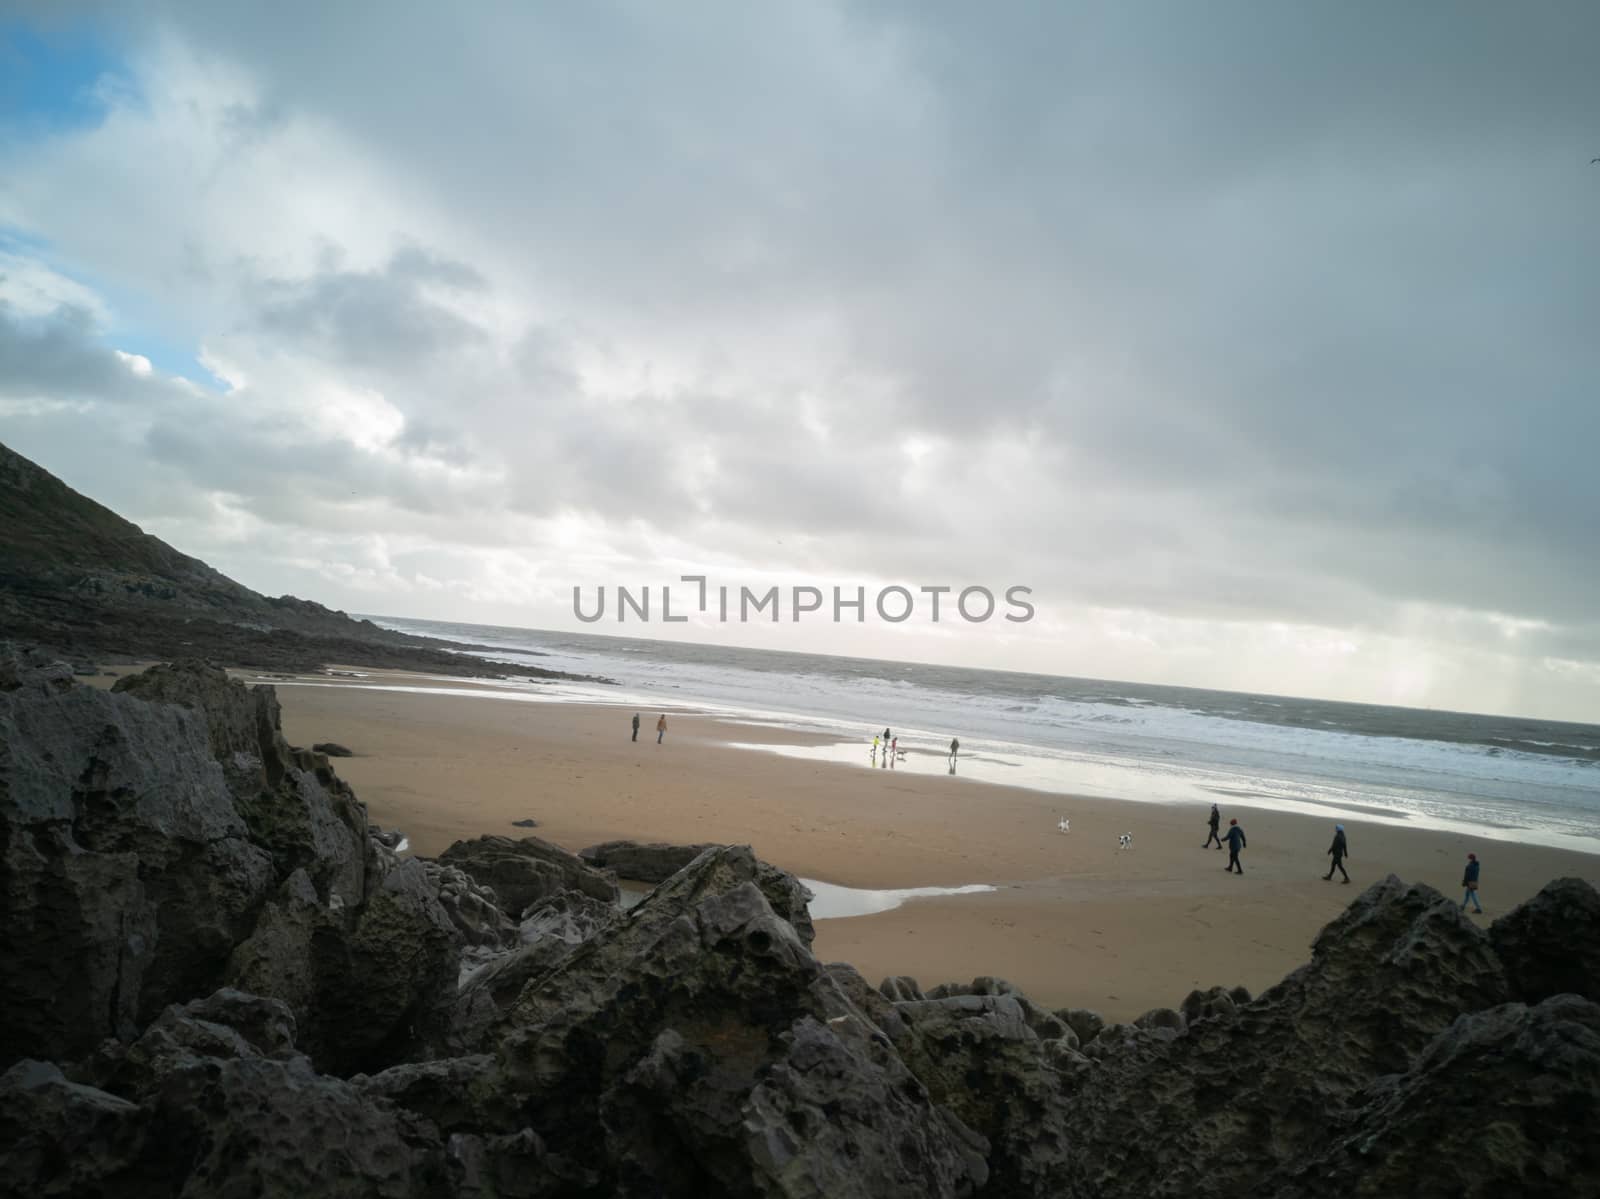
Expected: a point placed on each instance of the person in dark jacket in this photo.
(1216, 819)
(1469, 881)
(1236, 842)
(1340, 849)
(636, 726)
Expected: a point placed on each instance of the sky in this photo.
(1258, 340)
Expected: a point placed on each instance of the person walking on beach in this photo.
(874, 748)
(1340, 849)
(1236, 842)
(1469, 881)
(636, 726)
(955, 748)
(661, 728)
(1216, 819)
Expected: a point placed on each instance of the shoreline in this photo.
(1074, 921)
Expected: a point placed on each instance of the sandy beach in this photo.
(1074, 920)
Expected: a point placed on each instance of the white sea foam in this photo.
(1114, 745)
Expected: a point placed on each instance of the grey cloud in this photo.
(54, 356)
(372, 319)
(1293, 309)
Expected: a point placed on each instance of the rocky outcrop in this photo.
(978, 1055)
(1503, 1102)
(1551, 944)
(691, 1045)
(291, 800)
(696, 1047)
(1220, 1106)
(126, 871)
(647, 863)
(522, 871)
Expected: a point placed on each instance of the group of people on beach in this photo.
(889, 745)
(1338, 852)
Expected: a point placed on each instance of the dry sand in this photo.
(1074, 922)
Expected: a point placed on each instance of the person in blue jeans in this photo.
(1469, 880)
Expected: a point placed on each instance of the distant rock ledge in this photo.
(218, 978)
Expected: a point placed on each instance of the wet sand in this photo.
(1074, 920)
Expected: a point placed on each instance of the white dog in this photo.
(1125, 841)
(1064, 825)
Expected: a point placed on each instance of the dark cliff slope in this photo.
(79, 578)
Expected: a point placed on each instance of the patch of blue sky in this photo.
(56, 78)
(168, 350)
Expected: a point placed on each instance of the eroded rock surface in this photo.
(242, 988)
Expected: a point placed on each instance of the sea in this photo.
(1497, 777)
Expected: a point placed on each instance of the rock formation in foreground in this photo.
(217, 979)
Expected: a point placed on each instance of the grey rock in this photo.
(522, 871)
(980, 1059)
(1216, 1003)
(291, 800)
(332, 749)
(1427, 1132)
(549, 932)
(61, 1138)
(513, 1166)
(1161, 1017)
(127, 871)
(673, 1044)
(1086, 1022)
(1551, 944)
(367, 986)
(1223, 1107)
(648, 863)
(900, 987)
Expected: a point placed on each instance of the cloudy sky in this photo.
(1260, 342)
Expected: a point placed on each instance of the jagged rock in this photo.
(652, 863)
(332, 749)
(194, 1106)
(675, 1044)
(514, 1166)
(900, 987)
(1219, 1108)
(1205, 1005)
(548, 932)
(978, 1057)
(127, 874)
(524, 870)
(471, 907)
(366, 985)
(448, 1091)
(281, 958)
(63, 1138)
(291, 800)
(390, 984)
(571, 917)
(1551, 944)
(228, 1024)
(1504, 1102)
(1083, 1021)
(1160, 1017)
